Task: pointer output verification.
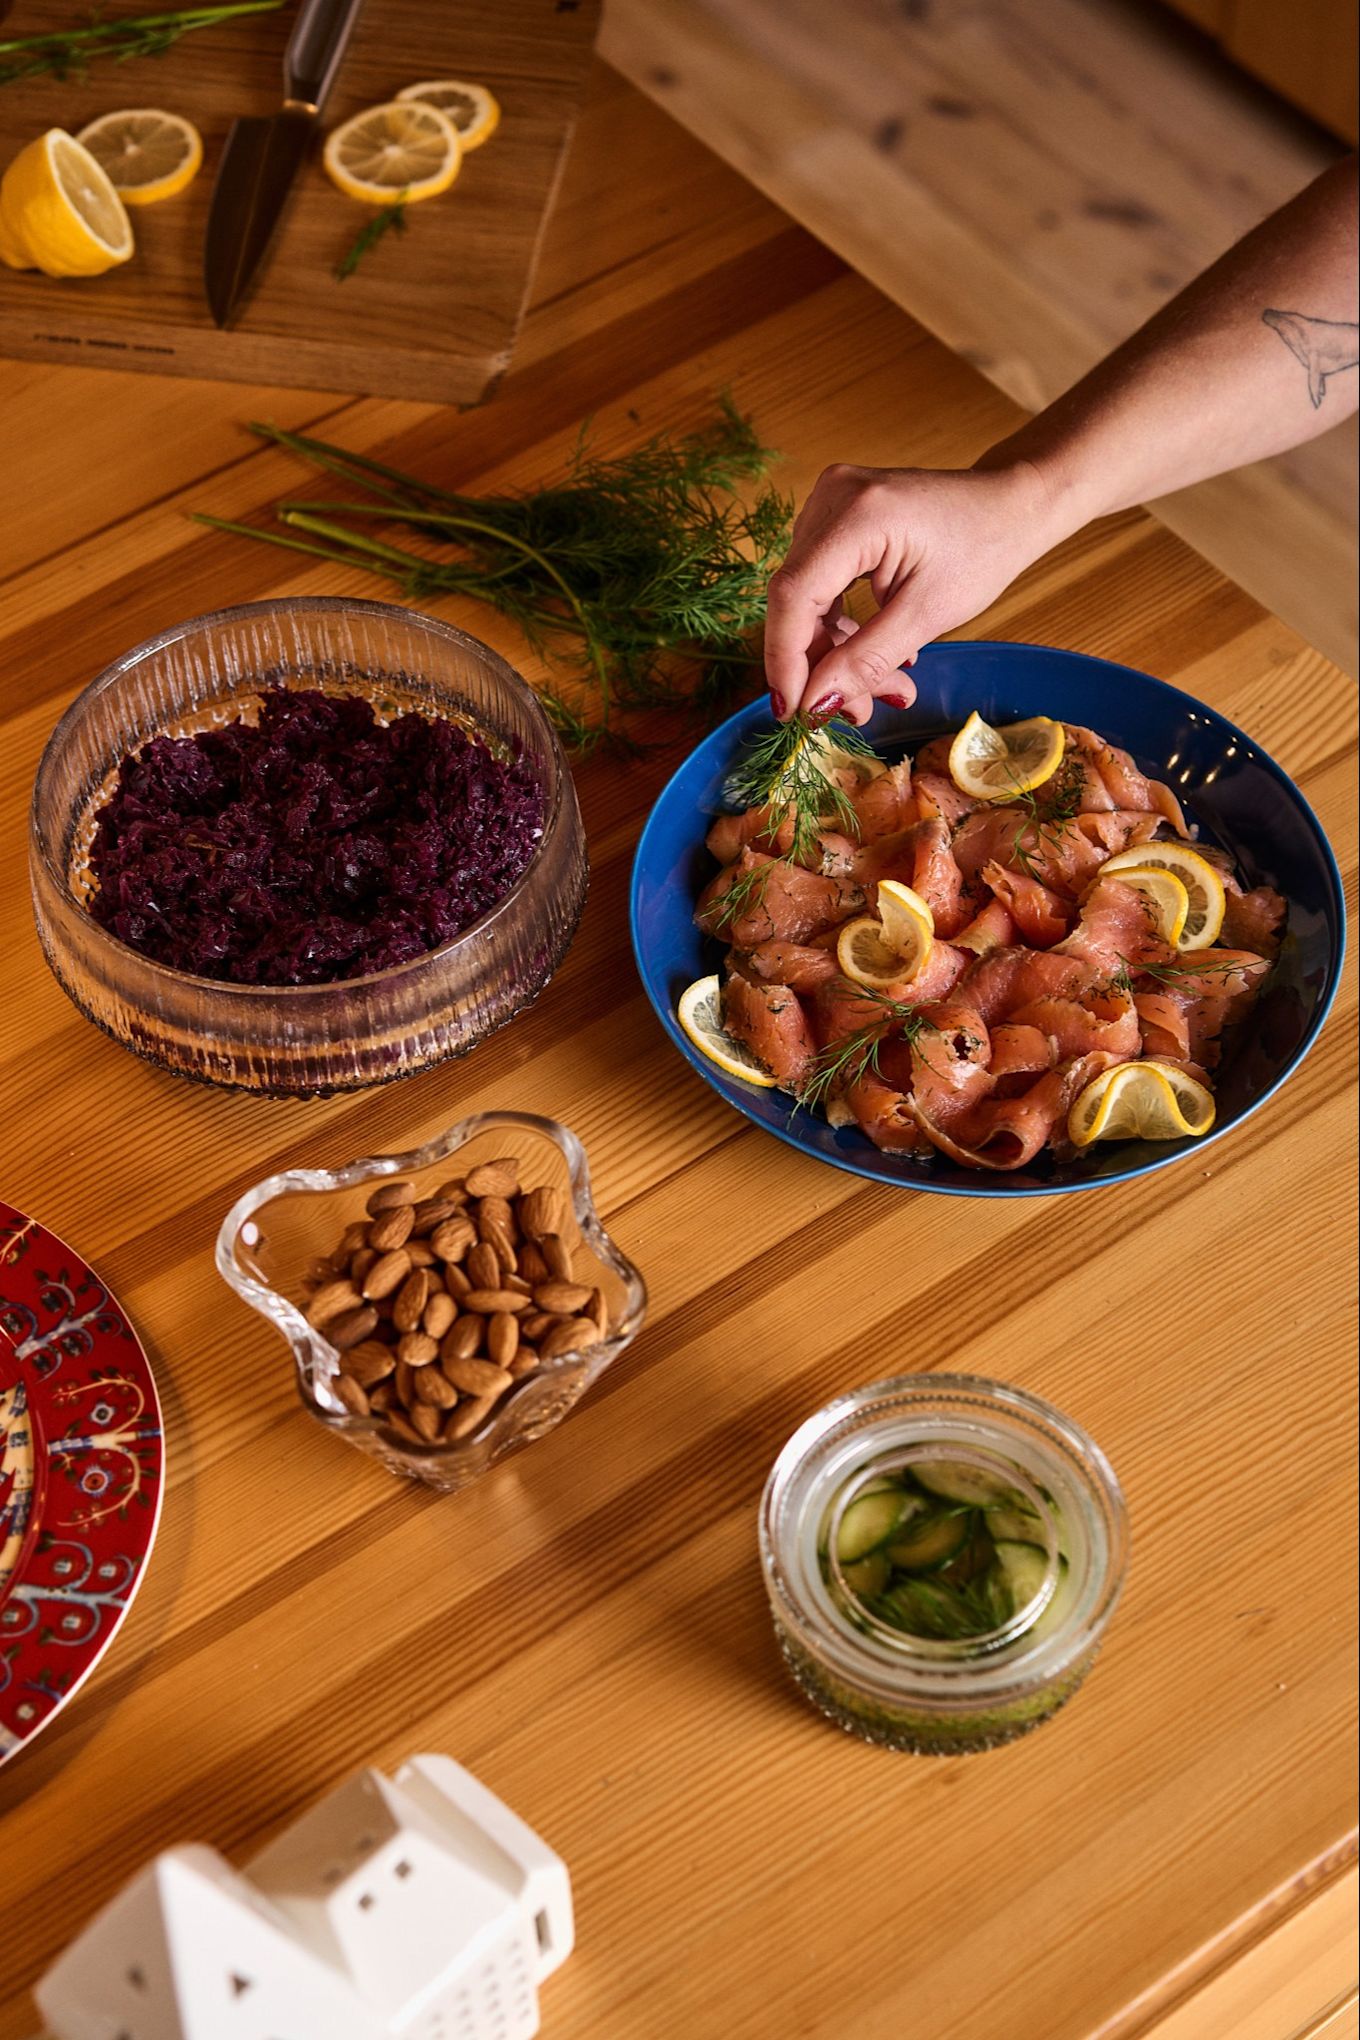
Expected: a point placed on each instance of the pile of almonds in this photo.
(437, 1305)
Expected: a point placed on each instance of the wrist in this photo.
(1042, 490)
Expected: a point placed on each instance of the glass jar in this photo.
(1019, 1459)
(274, 1230)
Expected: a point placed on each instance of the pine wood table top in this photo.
(586, 1629)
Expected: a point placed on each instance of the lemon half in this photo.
(1141, 1101)
(59, 212)
(700, 1014)
(1204, 887)
(998, 764)
(474, 111)
(403, 150)
(148, 154)
(1164, 893)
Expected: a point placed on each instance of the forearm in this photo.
(1257, 355)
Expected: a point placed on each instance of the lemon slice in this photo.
(404, 150)
(990, 764)
(1164, 893)
(700, 1014)
(1202, 883)
(908, 924)
(148, 154)
(1140, 1101)
(59, 212)
(474, 111)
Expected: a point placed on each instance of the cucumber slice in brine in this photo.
(869, 1522)
(868, 1576)
(959, 1482)
(1016, 1526)
(1024, 1567)
(931, 1541)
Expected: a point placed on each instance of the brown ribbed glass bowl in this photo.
(302, 1040)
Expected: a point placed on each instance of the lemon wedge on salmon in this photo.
(1141, 1101)
(404, 150)
(474, 111)
(59, 212)
(998, 764)
(1204, 887)
(1165, 894)
(890, 947)
(148, 154)
(700, 1014)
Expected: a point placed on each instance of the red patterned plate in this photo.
(81, 1466)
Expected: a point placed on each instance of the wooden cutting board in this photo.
(430, 314)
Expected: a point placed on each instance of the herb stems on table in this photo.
(69, 52)
(388, 219)
(621, 575)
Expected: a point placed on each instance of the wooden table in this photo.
(587, 1628)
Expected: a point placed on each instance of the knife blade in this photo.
(262, 156)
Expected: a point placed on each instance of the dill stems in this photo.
(640, 579)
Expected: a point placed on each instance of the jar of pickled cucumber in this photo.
(942, 1555)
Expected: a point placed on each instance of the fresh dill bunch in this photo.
(786, 771)
(626, 573)
(388, 219)
(68, 52)
(843, 1062)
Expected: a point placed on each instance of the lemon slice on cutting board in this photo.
(1165, 895)
(148, 154)
(474, 111)
(1202, 883)
(888, 948)
(59, 212)
(998, 764)
(1141, 1101)
(404, 150)
(700, 1014)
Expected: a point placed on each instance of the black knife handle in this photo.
(315, 48)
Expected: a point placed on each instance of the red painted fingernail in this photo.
(830, 705)
(777, 704)
(895, 700)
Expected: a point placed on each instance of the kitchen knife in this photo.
(262, 156)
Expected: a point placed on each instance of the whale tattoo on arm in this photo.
(1324, 346)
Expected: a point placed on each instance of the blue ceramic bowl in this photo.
(1239, 797)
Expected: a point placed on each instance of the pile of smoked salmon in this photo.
(1042, 973)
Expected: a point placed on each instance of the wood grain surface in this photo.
(587, 1629)
(431, 313)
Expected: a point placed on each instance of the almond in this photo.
(406, 1430)
(487, 1301)
(468, 1415)
(517, 1283)
(417, 1349)
(370, 1362)
(494, 1179)
(557, 1254)
(531, 1264)
(391, 1229)
(352, 1238)
(541, 1211)
(422, 1253)
(483, 1266)
(425, 1422)
(351, 1395)
(524, 1362)
(331, 1300)
(456, 1280)
(452, 1239)
(564, 1299)
(360, 1263)
(409, 1305)
(572, 1335)
(535, 1323)
(390, 1195)
(502, 1338)
(597, 1310)
(431, 1213)
(439, 1314)
(477, 1377)
(462, 1341)
(387, 1274)
(404, 1382)
(455, 1191)
(496, 1213)
(351, 1327)
(434, 1387)
(383, 1397)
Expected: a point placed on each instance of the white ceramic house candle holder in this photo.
(418, 1906)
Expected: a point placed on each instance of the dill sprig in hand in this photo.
(626, 570)
(788, 771)
(69, 52)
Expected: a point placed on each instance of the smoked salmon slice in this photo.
(770, 1021)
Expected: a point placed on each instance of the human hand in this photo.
(937, 545)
